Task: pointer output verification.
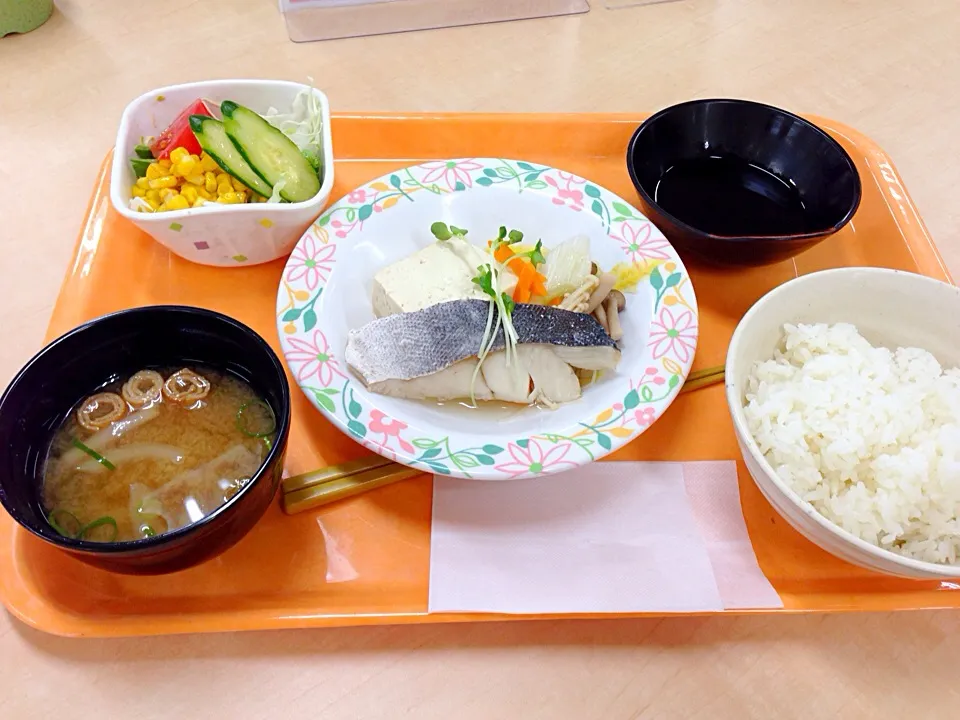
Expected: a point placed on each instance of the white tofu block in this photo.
(440, 272)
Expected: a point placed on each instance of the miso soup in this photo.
(154, 452)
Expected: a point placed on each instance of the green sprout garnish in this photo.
(500, 310)
(535, 255)
(485, 280)
(442, 232)
(507, 238)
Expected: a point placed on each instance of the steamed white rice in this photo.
(870, 437)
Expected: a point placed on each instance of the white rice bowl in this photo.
(868, 436)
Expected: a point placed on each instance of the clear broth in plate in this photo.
(730, 197)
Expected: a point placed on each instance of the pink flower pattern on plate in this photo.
(643, 243)
(310, 261)
(645, 416)
(451, 172)
(316, 359)
(567, 194)
(389, 428)
(675, 334)
(532, 459)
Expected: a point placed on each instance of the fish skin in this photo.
(415, 344)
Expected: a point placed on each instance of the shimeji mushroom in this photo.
(613, 306)
(607, 281)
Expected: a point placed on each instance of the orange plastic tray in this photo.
(366, 560)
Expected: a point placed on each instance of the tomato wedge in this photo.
(179, 134)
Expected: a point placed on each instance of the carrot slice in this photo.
(518, 266)
(521, 294)
(525, 279)
(537, 287)
(503, 253)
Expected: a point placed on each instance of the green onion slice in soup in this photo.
(108, 534)
(65, 523)
(94, 454)
(256, 419)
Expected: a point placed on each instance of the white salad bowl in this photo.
(325, 292)
(890, 308)
(218, 235)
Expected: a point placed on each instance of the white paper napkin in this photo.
(611, 537)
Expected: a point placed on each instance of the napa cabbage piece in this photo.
(567, 266)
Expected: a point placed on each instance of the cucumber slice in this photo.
(271, 153)
(213, 138)
(140, 166)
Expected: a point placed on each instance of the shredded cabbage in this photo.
(303, 124)
(277, 188)
(138, 203)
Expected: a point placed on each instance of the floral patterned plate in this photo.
(325, 292)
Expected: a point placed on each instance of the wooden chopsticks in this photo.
(703, 378)
(320, 487)
(336, 482)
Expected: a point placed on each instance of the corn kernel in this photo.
(208, 164)
(185, 167)
(155, 204)
(230, 198)
(224, 188)
(196, 178)
(177, 202)
(210, 182)
(178, 154)
(237, 185)
(137, 191)
(190, 193)
(223, 178)
(167, 181)
(166, 194)
(206, 195)
(142, 183)
(165, 163)
(154, 171)
(152, 196)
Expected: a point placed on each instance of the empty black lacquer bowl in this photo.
(77, 363)
(735, 182)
